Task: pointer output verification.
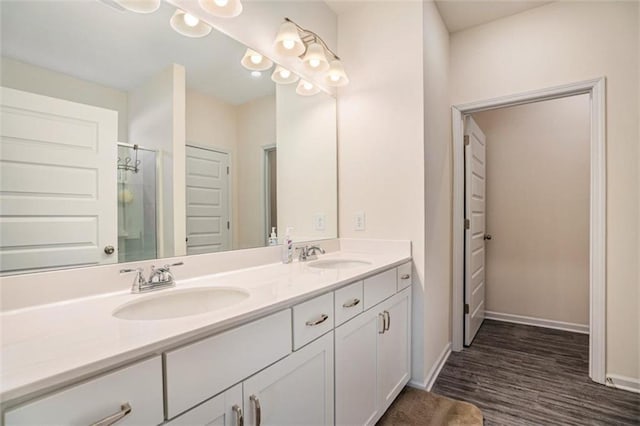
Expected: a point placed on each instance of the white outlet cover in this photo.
(319, 221)
(359, 221)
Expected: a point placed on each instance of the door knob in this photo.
(109, 249)
(487, 236)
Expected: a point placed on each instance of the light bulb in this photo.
(256, 59)
(285, 73)
(221, 3)
(307, 85)
(256, 74)
(334, 77)
(288, 44)
(190, 20)
(314, 63)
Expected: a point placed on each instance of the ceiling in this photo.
(96, 42)
(462, 14)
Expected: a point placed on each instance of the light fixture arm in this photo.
(308, 35)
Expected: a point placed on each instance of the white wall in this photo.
(256, 128)
(438, 187)
(537, 263)
(157, 120)
(30, 78)
(381, 138)
(566, 42)
(307, 170)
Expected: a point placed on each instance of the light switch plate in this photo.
(359, 222)
(319, 221)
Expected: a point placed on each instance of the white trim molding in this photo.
(537, 322)
(597, 241)
(625, 383)
(435, 370)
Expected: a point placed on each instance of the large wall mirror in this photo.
(123, 140)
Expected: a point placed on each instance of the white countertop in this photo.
(50, 345)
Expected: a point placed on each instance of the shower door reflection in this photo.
(137, 230)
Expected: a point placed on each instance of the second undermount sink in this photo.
(181, 303)
(339, 263)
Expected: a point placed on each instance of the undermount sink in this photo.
(338, 263)
(181, 303)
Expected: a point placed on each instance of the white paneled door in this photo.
(475, 222)
(208, 225)
(57, 183)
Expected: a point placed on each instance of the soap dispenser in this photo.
(273, 238)
(287, 247)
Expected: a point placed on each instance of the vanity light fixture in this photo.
(254, 61)
(314, 59)
(288, 41)
(336, 76)
(293, 40)
(305, 88)
(188, 25)
(140, 6)
(256, 74)
(281, 75)
(222, 8)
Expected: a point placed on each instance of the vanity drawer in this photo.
(404, 276)
(348, 302)
(205, 368)
(379, 287)
(139, 385)
(312, 319)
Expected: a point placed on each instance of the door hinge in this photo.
(227, 169)
(466, 140)
(228, 225)
(466, 308)
(467, 224)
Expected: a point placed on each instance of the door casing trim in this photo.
(596, 88)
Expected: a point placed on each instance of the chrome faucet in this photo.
(158, 279)
(309, 253)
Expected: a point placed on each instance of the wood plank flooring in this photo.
(523, 375)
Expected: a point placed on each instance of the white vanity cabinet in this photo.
(222, 410)
(372, 360)
(132, 394)
(295, 391)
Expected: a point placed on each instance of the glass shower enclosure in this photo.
(137, 218)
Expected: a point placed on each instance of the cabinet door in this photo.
(223, 410)
(297, 390)
(356, 369)
(394, 355)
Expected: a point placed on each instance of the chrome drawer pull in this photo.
(384, 323)
(125, 409)
(239, 416)
(323, 318)
(388, 317)
(351, 304)
(256, 404)
(405, 277)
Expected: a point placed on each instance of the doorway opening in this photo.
(463, 218)
(270, 190)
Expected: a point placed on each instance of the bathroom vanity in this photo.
(321, 342)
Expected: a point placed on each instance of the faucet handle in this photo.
(167, 266)
(314, 249)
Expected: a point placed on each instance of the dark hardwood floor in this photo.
(523, 375)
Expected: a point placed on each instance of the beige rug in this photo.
(420, 408)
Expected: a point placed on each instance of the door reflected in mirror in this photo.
(123, 140)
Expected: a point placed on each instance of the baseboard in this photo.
(434, 372)
(625, 383)
(537, 322)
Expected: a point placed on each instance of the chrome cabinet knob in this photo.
(109, 249)
(487, 237)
